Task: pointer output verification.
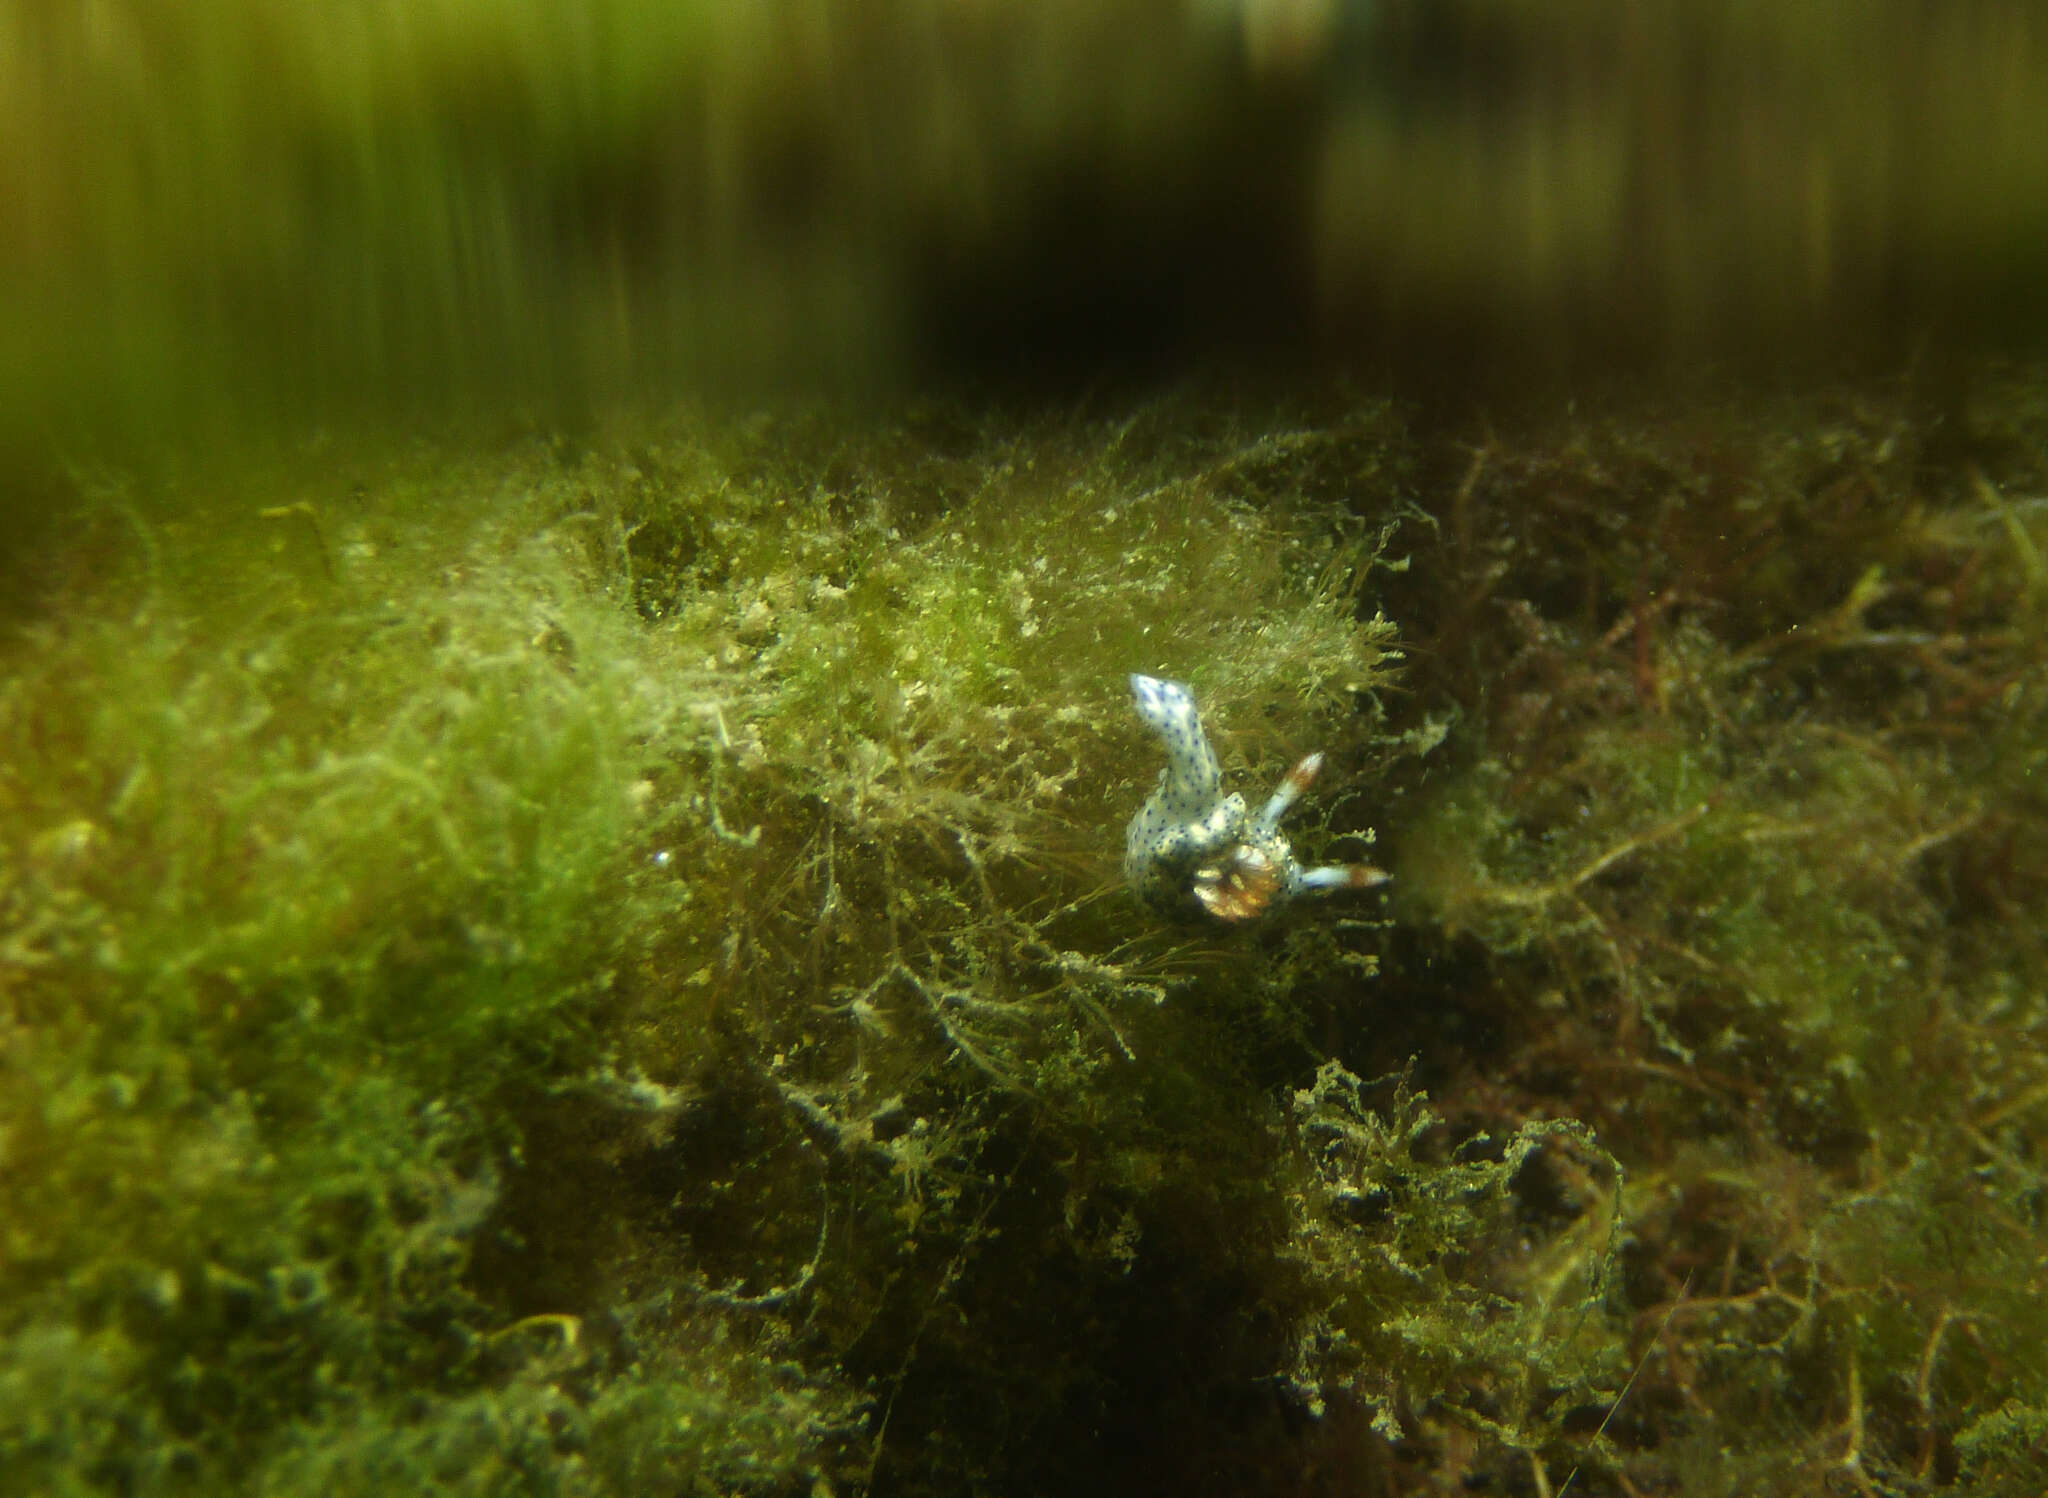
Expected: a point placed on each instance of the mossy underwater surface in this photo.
(599, 966)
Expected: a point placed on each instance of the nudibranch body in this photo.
(1191, 850)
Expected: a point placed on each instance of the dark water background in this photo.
(232, 203)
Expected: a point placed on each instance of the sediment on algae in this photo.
(599, 966)
(383, 861)
(1738, 849)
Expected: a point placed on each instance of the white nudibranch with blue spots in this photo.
(1193, 851)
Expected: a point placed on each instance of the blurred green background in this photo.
(259, 206)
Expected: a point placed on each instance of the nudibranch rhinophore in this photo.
(1192, 851)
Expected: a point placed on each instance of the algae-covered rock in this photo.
(602, 964)
(726, 817)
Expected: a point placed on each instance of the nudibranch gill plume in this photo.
(1192, 851)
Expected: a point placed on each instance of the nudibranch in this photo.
(1192, 851)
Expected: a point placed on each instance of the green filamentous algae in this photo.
(570, 587)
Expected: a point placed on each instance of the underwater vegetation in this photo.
(602, 964)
